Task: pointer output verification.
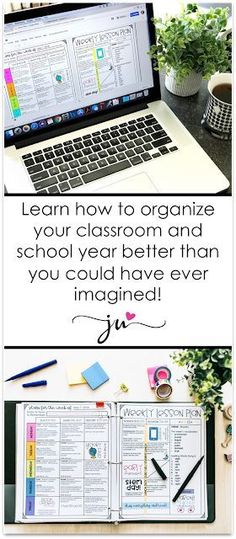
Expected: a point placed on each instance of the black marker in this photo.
(158, 469)
(190, 475)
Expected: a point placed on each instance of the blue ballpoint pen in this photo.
(35, 384)
(33, 369)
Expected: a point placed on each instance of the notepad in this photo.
(95, 375)
(79, 462)
(74, 375)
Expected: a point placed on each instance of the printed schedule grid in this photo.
(67, 467)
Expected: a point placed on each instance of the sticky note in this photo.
(151, 371)
(95, 375)
(74, 375)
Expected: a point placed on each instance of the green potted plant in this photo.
(208, 369)
(191, 46)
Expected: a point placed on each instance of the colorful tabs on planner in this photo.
(30, 487)
(8, 75)
(31, 432)
(14, 102)
(16, 113)
(30, 450)
(30, 468)
(29, 509)
(11, 89)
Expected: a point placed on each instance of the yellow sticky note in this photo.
(74, 375)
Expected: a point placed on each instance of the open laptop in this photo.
(83, 111)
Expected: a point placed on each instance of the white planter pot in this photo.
(188, 86)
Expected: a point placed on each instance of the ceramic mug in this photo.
(217, 117)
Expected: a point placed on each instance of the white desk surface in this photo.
(130, 367)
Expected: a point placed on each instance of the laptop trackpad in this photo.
(137, 183)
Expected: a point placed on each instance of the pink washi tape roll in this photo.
(162, 373)
(157, 374)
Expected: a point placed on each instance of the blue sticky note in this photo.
(95, 376)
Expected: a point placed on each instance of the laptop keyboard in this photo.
(62, 167)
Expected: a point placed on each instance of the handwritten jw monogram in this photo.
(115, 324)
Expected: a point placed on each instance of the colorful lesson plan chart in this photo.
(66, 461)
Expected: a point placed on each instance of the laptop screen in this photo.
(62, 67)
